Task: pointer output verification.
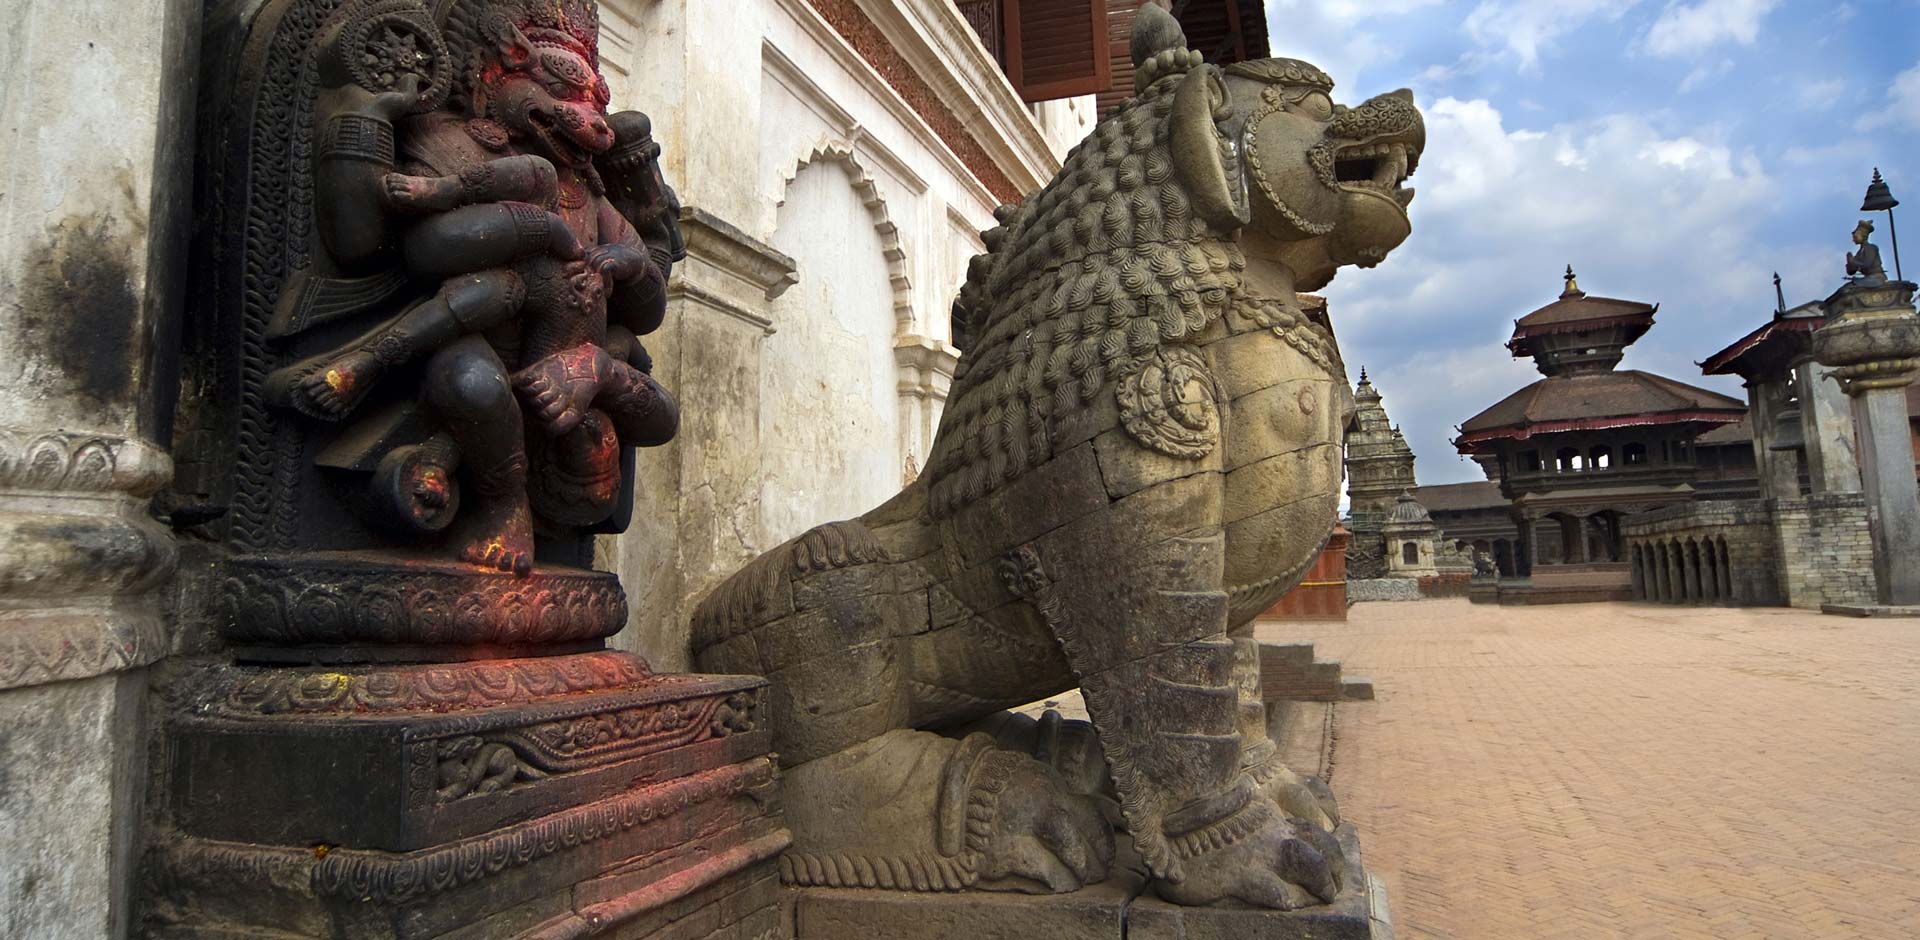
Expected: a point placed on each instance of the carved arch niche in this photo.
(838, 416)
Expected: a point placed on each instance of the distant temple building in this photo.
(1379, 469)
(1587, 445)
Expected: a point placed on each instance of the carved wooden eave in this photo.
(938, 43)
(729, 270)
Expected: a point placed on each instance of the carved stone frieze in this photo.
(604, 737)
(394, 878)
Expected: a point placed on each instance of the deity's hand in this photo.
(618, 262)
(396, 104)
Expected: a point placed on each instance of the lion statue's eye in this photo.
(1315, 104)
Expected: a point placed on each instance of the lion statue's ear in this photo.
(513, 45)
(1206, 163)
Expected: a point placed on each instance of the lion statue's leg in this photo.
(1299, 795)
(833, 619)
(1143, 621)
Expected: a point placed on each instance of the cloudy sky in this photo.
(1673, 151)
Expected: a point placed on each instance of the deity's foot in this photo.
(497, 533)
(1256, 856)
(422, 193)
(560, 388)
(913, 810)
(328, 386)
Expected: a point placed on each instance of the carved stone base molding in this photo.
(567, 796)
(371, 606)
(1119, 907)
(77, 554)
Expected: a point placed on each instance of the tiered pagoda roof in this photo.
(1576, 342)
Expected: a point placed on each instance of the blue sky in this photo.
(1673, 151)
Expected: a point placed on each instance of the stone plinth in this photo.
(1111, 910)
(551, 797)
(1872, 339)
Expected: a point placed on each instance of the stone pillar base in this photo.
(525, 799)
(1117, 908)
(1871, 610)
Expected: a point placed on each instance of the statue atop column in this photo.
(1863, 263)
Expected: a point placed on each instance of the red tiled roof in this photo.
(1598, 400)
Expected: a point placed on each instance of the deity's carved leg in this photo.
(330, 385)
(467, 386)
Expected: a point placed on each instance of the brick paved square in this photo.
(1626, 770)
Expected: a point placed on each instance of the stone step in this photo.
(1356, 689)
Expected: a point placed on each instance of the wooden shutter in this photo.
(1056, 48)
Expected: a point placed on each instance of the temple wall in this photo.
(829, 223)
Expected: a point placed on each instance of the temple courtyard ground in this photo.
(1628, 770)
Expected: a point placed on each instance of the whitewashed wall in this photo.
(809, 335)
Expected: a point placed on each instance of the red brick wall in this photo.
(1322, 595)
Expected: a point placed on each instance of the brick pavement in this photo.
(1632, 771)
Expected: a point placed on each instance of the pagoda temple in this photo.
(1587, 444)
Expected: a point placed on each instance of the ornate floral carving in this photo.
(341, 599)
(438, 688)
(1171, 405)
(83, 463)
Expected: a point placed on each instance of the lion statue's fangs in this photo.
(1141, 451)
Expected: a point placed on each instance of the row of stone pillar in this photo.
(1683, 571)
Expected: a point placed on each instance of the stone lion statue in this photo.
(1141, 451)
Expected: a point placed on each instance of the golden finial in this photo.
(1573, 286)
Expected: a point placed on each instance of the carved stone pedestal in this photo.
(536, 798)
(1111, 910)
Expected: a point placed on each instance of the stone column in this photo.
(1827, 421)
(1872, 338)
(1778, 469)
(97, 116)
(1639, 574)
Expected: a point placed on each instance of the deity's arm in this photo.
(476, 238)
(636, 285)
(353, 154)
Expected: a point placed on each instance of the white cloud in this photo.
(1822, 94)
(1702, 74)
(1502, 210)
(1903, 103)
(1526, 28)
(1684, 29)
(1335, 34)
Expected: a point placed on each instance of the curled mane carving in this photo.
(1082, 289)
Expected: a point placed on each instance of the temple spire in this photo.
(1573, 286)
